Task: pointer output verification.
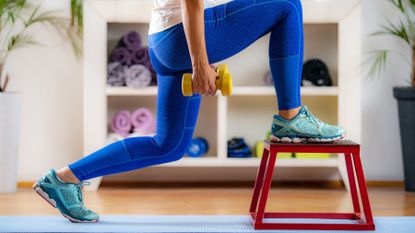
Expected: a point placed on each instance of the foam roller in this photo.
(223, 82)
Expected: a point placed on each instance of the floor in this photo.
(386, 201)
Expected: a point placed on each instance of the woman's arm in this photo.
(204, 75)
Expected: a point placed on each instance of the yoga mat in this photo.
(131, 40)
(121, 55)
(143, 121)
(174, 223)
(137, 76)
(140, 56)
(121, 123)
(153, 72)
(116, 74)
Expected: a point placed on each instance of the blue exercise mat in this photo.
(172, 223)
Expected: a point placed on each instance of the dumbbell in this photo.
(223, 82)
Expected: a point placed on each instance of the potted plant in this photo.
(17, 17)
(404, 30)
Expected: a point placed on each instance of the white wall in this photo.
(380, 134)
(50, 79)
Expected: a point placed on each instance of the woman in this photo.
(185, 37)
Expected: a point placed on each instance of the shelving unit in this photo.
(332, 33)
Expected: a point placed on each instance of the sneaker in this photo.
(304, 128)
(237, 148)
(66, 197)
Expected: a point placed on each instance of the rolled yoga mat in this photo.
(143, 121)
(121, 55)
(137, 76)
(140, 56)
(130, 40)
(116, 74)
(121, 123)
(153, 72)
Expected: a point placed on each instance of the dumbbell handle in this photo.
(187, 81)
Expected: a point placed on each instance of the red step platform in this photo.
(351, 150)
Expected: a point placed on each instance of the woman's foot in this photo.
(304, 127)
(66, 197)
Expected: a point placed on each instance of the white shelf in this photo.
(237, 91)
(129, 91)
(250, 162)
(338, 21)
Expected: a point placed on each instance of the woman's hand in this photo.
(204, 75)
(204, 80)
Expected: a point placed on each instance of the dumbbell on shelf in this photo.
(223, 82)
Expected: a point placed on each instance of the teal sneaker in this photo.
(66, 197)
(304, 128)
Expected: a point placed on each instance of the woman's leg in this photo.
(176, 120)
(231, 27)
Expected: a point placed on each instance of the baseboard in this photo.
(225, 184)
(25, 184)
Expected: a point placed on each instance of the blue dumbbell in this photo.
(197, 147)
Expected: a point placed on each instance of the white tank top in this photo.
(167, 13)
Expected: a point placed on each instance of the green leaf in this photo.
(399, 31)
(398, 4)
(379, 58)
(21, 40)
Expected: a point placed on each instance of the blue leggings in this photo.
(229, 28)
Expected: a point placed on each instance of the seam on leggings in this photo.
(125, 147)
(162, 156)
(168, 33)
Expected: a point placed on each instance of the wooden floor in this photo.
(391, 201)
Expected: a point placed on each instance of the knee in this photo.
(172, 149)
(295, 6)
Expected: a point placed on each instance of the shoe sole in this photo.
(301, 140)
(52, 202)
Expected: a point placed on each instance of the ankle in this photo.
(66, 175)
(290, 113)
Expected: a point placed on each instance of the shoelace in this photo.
(317, 122)
(78, 186)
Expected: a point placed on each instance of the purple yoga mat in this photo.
(143, 121)
(140, 56)
(152, 71)
(138, 76)
(121, 123)
(131, 41)
(116, 74)
(121, 55)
